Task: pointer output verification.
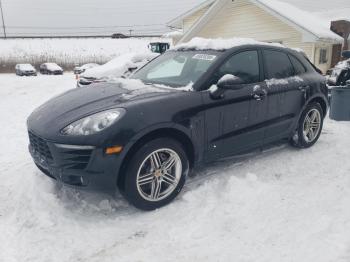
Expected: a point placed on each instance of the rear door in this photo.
(234, 121)
(286, 87)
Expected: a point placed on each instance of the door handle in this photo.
(259, 94)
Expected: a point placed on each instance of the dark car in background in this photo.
(25, 70)
(50, 69)
(119, 36)
(187, 107)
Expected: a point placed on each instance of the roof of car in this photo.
(220, 44)
(25, 66)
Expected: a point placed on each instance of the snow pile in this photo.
(119, 65)
(220, 44)
(281, 205)
(68, 52)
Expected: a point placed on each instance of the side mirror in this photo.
(226, 82)
(230, 82)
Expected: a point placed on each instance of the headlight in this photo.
(94, 123)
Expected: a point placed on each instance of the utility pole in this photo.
(130, 30)
(3, 20)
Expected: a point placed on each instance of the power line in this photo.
(109, 33)
(84, 27)
(3, 20)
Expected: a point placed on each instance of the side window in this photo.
(244, 65)
(298, 66)
(277, 65)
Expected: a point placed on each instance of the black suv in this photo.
(186, 107)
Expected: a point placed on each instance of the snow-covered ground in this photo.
(281, 205)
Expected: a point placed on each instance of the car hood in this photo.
(79, 102)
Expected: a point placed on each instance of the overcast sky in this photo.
(90, 17)
(35, 17)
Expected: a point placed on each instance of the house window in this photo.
(323, 56)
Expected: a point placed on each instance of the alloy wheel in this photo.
(159, 174)
(312, 125)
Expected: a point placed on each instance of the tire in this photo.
(138, 187)
(307, 139)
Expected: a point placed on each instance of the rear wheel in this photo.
(156, 174)
(309, 127)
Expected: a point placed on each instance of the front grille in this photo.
(76, 159)
(39, 146)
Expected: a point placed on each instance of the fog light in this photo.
(114, 150)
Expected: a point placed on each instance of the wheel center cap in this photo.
(158, 173)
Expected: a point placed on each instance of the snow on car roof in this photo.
(343, 64)
(89, 65)
(53, 66)
(25, 67)
(220, 44)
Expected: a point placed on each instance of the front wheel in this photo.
(309, 127)
(156, 174)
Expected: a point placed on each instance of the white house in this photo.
(304, 24)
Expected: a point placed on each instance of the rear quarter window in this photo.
(277, 65)
(298, 66)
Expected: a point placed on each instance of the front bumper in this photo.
(27, 73)
(57, 72)
(85, 167)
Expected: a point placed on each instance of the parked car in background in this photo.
(50, 69)
(119, 35)
(189, 106)
(81, 69)
(121, 66)
(25, 70)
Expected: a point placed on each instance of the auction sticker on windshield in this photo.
(204, 57)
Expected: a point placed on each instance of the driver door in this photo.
(234, 123)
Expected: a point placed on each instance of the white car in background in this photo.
(121, 66)
(25, 70)
(81, 69)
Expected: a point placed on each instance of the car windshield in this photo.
(177, 68)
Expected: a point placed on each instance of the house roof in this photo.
(312, 17)
(177, 21)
